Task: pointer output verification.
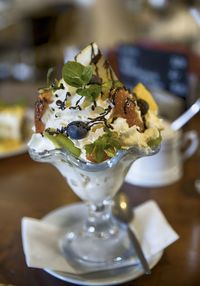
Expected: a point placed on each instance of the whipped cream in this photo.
(115, 113)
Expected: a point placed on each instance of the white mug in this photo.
(166, 167)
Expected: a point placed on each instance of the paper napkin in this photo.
(41, 247)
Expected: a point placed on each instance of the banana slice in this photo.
(143, 93)
(91, 55)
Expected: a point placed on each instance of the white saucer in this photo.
(68, 216)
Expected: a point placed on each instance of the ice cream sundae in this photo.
(90, 113)
(92, 128)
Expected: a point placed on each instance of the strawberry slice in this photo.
(90, 157)
(126, 107)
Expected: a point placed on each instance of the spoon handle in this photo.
(139, 252)
(186, 116)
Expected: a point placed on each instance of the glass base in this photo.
(96, 249)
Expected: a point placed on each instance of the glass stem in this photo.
(100, 222)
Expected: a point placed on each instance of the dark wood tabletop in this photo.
(28, 188)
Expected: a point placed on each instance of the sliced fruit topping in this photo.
(62, 141)
(103, 148)
(91, 55)
(126, 107)
(43, 100)
(91, 157)
(143, 93)
(77, 130)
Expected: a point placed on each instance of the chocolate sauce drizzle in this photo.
(62, 104)
(101, 119)
(55, 87)
(95, 58)
(61, 86)
(77, 106)
(109, 72)
(92, 121)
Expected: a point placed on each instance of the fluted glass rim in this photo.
(64, 155)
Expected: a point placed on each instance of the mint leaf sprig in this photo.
(80, 76)
(91, 92)
(76, 74)
(103, 148)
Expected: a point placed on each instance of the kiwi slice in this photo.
(62, 141)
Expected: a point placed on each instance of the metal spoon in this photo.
(122, 210)
(186, 116)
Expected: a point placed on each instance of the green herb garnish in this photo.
(105, 146)
(76, 74)
(91, 92)
(79, 76)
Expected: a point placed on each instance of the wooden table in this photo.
(33, 189)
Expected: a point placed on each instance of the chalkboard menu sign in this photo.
(154, 68)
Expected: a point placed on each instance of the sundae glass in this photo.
(100, 240)
(94, 152)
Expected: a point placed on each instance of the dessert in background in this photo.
(15, 127)
(12, 127)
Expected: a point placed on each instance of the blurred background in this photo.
(153, 41)
(37, 34)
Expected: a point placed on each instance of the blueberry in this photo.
(77, 130)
